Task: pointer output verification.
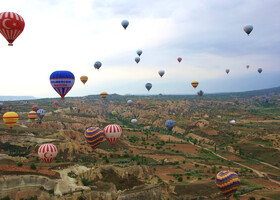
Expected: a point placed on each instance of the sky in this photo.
(208, 35)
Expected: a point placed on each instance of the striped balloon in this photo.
(11, 26)
(32, 115)
(84, 79)
(47, 152)
(35, 108)
(104, 95)
(194, 84)
(227, 182)
(112, 133)
(94, 136)
(10, 118)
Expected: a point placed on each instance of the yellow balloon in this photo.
(104, 95)
(10, 118)
(194, 84)
(32, 115)
(84, 79)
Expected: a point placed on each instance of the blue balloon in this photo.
(139, 52)
(137, 59)
(41, 113)
(97, 64)
(134, 121)
(62, 82)
(125, 23)
(148, 86)
(129, 102)
(169, 124)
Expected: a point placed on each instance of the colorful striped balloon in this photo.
(227, 182)
(112, 133)
(194, 84)
(32, 115)
(94, 136)
(104, 95)
(84, 79)
(10, 118)
(47, 152)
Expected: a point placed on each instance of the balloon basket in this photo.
(10, 44)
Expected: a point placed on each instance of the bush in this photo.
(85, 182)
(252, 198)
(19, 164)
(5, 198)
(33, 166)
(180, 179)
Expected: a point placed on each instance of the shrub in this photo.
(180, 179)
(85, 182)
(33, 166)
(19, 164)
(252, 198)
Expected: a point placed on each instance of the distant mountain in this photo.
(16, 98)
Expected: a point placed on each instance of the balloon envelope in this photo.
(148, 86)
(47, 152)
(11, 26)
(195, 84)
(179, 59)
(139, 52)
(10, 118)
(55, 103)
(103, 95)
(129, 102)
(137, 59)
(84, 79)
(169, 124)
(247, 66)
(35, 108)
(134, 121)
(139, 103)
(32, 115)
(248, 29)
(97, 64)
(260, 70)
(232, 121)
(41, 113)
(62, 82)
(161, 72)
(227, 71)
(227, 182)
(112, 133)
(200, 93)
(94, 136)
(114, 112)
(125, 23)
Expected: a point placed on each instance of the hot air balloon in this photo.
(129, 102)
(112, 133)
(11, 26)
(161, 72)
(103, 95)
(232, 121)
(139, 52)
(247, 66)
(260, 70)
(10, 118)
(35, 108)
(134, 121)
(169, 124)
(94, 136)
(97, 65)
(227, 71)
(84, 79)
(227, 182)
(1, 106)
(200, 93)
(41, 113)
(179, 59)
(248, 29)
(137, 59)
(32, 115)
(139, 103)
(266, 99)
(148, 86)
(125, 23)
(55, 103)
(195, 84)
(47, 152)
(114, 112)
(62, 82)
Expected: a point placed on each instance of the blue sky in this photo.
(208, 35)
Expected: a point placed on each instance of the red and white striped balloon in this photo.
(112, 133)
(47, 152)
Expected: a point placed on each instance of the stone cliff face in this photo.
(107, 182)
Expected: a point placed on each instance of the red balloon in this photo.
(47, 152)
(179, 59)
(55, 103)
(11, 26)
(139, 103)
